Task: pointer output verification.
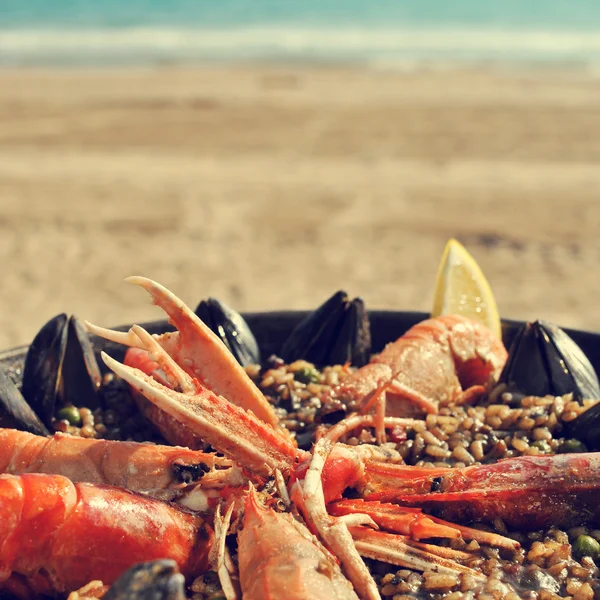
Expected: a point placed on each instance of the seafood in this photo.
(337, 332)
(279, 558)
(232, 329)
(529, 492)
(48, 524)
(14, 409)
(197, 350)
(469, 355)
(60, 364)
(153, 580)
(448, 359)
(340, 502)
(586, 427)
(543, 360)
(162, 471)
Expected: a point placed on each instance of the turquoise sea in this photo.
(374, 32)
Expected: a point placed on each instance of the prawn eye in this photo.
(436, 484)
(189, 473)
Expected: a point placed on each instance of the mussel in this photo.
(232, 329)
(61, 366)
(335, 333)
(586, 427)
(153, 580)
(544, 360)
(15, 413)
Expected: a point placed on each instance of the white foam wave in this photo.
(286, 43)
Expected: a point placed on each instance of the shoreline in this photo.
(530, 68)
(272, 187)
(198, 42)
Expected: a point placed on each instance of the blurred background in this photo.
(271, 152)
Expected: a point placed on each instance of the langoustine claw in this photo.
(227, 427)
(198, 351)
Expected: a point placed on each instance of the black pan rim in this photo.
(272, 327)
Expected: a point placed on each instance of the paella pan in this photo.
(340, 453)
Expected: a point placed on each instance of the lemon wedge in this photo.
(462, 289)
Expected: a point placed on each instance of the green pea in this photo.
(586, 545)
(542, 446)
(307, 375)
(571, 446)
(71, 414)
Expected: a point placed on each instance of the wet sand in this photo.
(271, 188)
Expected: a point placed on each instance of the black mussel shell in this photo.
(43, 364)
(154, 580)
(80, 376)
(335, 333)
(15, 413)
(586, 428)
(61, 365)
(544, 360)
(232, 329)
(310, 336)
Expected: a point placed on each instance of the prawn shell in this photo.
(61, 535)
(279, 558)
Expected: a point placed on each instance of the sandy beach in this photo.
(272, 187)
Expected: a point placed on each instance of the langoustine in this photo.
(265, 545)
(59, 535)
(192, 478)
(529, 492)
(447, 359)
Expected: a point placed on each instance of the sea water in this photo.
(374, 32)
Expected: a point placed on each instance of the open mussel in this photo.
(154, 580)
(337, 332)
(232, 329)
(61, 366)
(543, 360)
